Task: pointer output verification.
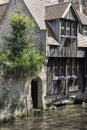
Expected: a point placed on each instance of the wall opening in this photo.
(36, 93)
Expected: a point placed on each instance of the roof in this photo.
(52, 41)
(37, 10)
(82, 40)
(56, 11)
(3, 1)
(82, 17)
(3, 7)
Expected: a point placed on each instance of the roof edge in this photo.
(66, 11)
(4, 3)
(57, 4)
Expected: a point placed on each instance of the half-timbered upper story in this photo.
(62, 21)
(66, 55)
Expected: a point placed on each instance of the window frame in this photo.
(84, 30)
(70, 30)
(63, 26)
(73, 32)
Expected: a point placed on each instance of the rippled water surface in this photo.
(64, 118)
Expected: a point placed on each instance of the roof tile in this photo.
(37, 10)
(82, 40)
(56, 11)
(82, 17)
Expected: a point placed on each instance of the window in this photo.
(55, 68)
(62, 67)
(74, 66)
(69, 67)
(73, 29)
(63, 28)
(67, 28)
(85, 30)
(53, 50)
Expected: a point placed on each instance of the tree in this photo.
(20, 52)
(20, 49)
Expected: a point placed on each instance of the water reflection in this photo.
(64, 118)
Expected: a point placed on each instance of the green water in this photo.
(64, 118)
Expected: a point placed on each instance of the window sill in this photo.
(68, 36)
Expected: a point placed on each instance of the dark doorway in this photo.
(34, 93)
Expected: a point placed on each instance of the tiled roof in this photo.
(37, 10)
(82, 17)
(82, 40)
(56, 11)
(2, 9)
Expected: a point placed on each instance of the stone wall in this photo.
(18, 98)
(14, 94)
(14, 7)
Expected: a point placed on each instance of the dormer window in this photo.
(85, 30)
(68, 28)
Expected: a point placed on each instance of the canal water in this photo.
(64, 118)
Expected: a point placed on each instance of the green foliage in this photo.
(20, 49)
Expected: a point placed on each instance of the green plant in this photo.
(20, 52)
(70, 102)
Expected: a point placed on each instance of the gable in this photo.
(71, 15)
(37, 10)
(14, 7)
